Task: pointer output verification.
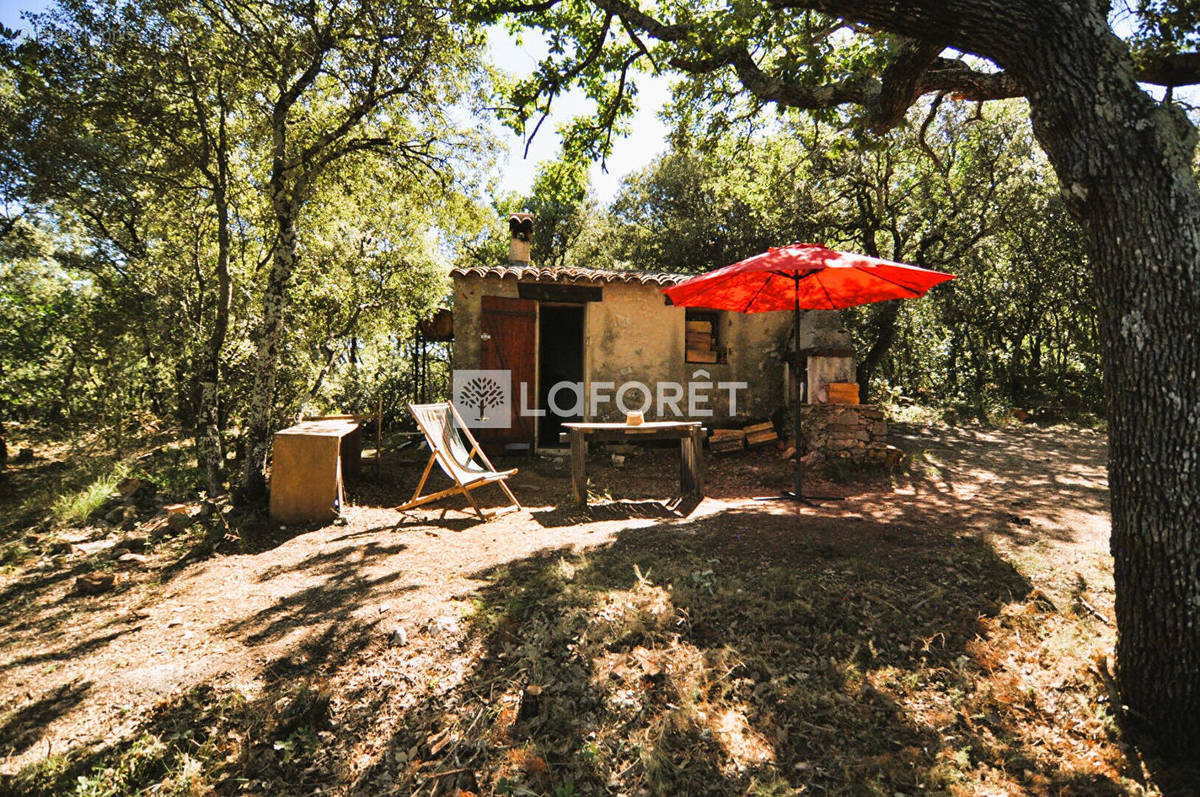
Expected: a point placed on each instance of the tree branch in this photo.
(915, 70)
(1175, 69)
(929, 117)
(907, 78)
(900, 84)
(965, 83)
(522, 8)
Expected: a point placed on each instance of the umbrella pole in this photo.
(798, 476)
(797, 493)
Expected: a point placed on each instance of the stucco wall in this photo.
(632, 335)
(467, 308)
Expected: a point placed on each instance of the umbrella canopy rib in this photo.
(817, 279)
(915, 293)
(758, 293)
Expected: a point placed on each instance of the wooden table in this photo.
(309, 466)
(691, 449)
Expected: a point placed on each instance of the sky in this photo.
(10, 11)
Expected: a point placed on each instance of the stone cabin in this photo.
(605, 328)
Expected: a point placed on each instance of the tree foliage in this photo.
(168, 154)
(951, 189)
(569, 222)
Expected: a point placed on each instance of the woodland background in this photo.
(141, 224)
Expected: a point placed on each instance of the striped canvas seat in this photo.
(458, 454)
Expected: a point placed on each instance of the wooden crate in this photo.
(701, 356)
(309, 464)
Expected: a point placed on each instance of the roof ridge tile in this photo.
(578, 273)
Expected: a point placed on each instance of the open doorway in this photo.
(560, 359)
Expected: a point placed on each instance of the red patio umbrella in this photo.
(803, 277)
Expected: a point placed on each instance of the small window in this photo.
(703, 336)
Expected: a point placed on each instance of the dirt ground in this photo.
(410, 627)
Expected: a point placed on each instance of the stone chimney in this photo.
(823, 330)
(520, 227)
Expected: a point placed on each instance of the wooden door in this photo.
(510, 343)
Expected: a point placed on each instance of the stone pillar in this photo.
(851, 433)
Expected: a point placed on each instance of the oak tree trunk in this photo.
(1124, 164)
(883, 325)
(286, 198)
(208, 436)
(262, 400)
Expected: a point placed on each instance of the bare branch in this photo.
(933, 109)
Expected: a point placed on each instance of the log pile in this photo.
(848, 433)
(725, 440)
(760, 434)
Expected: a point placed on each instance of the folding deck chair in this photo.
(458, 454)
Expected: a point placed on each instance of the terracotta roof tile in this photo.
(569, 274)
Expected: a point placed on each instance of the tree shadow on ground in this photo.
(208, 741)
(752, 650)
(217, 738)
(39, 584)
(323, 632)
(80, 648)
(733, 652)
(1008, 475)
(22, 728)
(572, 515)
(36, 613)
(331, 602)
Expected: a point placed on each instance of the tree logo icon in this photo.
(483, 392)
(483, 397)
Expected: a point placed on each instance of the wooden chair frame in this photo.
(442, 458)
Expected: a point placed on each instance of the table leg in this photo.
(687, 466)
(579, 466)
(697, 437)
